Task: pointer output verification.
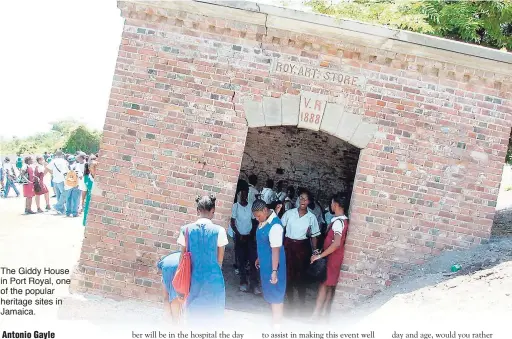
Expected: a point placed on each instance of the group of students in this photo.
(276, 239)
(72, 179)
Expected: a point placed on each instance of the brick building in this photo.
(417, 125)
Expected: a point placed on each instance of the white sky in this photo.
(57, 61)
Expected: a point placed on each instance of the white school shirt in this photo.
(59, 168)
(222, 239)
(243, 218)
(297, 227)
(251, 197)
(268, 195)
(81, 182)
(281, 196)
(338, 227)
(275, 235)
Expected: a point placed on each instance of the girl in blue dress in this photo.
(271, 258)
(207, 241)
(168, 266)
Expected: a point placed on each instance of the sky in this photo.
(58, 59)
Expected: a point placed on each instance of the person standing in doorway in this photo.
(206, 243)
(281, 191)
(268, 194)
(253, 191)
(334, 251)
(289, 202)
(245, 247)
(10, 178)
(302, 230)
(271, 258)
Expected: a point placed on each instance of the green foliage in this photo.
(81, 139)
(47, 142)
(487, 23)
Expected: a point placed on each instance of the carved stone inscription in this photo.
(318, 73)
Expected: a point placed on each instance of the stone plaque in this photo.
(318, 73)
(311, 111)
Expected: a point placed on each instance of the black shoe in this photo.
(29, 212)
(39, 210)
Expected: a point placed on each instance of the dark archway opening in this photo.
(322, 163)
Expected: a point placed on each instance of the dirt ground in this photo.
(478, 296)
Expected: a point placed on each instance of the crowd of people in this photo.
(277, 235)
(72, 179)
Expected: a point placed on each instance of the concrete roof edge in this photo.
(375, 30)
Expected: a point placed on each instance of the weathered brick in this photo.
(177, 108)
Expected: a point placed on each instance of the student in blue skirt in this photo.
(271, 258)
(168, 266)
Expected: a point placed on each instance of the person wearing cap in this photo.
(10, 178)
(71, 187)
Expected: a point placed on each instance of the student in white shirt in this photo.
(281, 190)
(271, 258)
(268, 194)
(300, 224)
(245, 246)
(253, 192)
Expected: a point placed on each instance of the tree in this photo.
(81, 139)
(487, 23)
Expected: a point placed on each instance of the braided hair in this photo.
(205, 203)
(259, 205)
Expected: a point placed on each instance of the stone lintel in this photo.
(254, 113)
(290, 109)
(272, 111)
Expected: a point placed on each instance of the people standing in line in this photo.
(89, 174)
(302, 230)
(245, 245)
(206, 242)
(40, 172)
(333, 250)
(271, 258)
(10, 178)
(59, 167)
(28, 186)
(268, 194)
(172, 303)
(253, 191)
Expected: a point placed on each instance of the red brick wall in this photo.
(175, 127)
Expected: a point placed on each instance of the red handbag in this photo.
(182, 278)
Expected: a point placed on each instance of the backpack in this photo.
(71, 178)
